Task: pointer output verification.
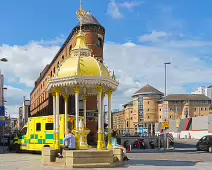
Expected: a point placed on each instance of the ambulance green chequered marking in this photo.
(49, 136)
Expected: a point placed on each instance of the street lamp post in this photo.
(166, 116)
(165, 76)
(2, 101)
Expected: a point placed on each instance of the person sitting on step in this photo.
(116, 145)
(69, 143)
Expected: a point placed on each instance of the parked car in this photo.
(205, 144)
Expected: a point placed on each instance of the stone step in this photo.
(115, 159)
(94, 165)
(61, 161)
(88, 153)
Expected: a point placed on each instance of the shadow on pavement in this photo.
(162, 150)
(184, 145)
(134, 162)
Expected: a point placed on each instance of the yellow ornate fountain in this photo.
(83, 132)
(83, 75)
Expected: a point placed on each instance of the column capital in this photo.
(66, 96)
(54, 94)
(77, 90)
(84, 97)
(99, 89)
(109, 92)
(58, 91)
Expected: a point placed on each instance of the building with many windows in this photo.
(145, 107)
(128, 120)
(180, 106)
(118, 121)
(149, 107)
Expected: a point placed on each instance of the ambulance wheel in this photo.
(17, 148)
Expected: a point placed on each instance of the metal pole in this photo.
(165, 81)
(167, 144)
(3, 139)
(165, 111)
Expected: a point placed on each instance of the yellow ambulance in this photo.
(39, 133)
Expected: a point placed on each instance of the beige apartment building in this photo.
(145, 107)
(180, 106)
(128, 118)
(118, 121)
(149, 107)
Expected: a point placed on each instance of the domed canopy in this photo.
(85, 66)
(81, 63)
(81, 70)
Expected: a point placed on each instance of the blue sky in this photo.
(25, 20)
(146, 33)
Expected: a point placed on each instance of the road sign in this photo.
(2, 111)
(165, 125)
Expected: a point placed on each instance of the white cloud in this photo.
(113, 10)
(153, 36)
(130, 5)
(134, 65)
(26, 62)
(14, 98)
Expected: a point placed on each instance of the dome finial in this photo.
(81, 15)
(113, 76)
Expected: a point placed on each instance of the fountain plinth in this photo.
(83, 133)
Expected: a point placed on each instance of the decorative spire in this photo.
(113, 76)
(80, 15)
(81, 49)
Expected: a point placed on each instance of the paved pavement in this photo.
(184, 157)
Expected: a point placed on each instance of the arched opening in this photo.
(58, 64)
(54, 70)
(99, 44)
(62, 57)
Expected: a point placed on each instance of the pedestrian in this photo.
(69, 143)
(116, 145)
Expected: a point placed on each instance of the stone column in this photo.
(77, 91)
(84, 109)
(66, 113)
(57, 131)
(109, 146)
(100, 130)
(54, 109)
(103, 119)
